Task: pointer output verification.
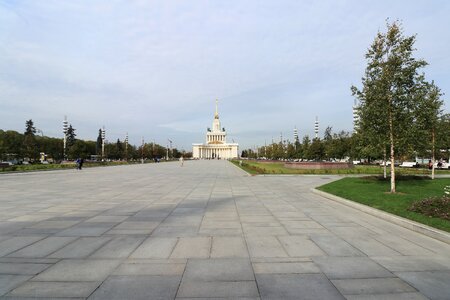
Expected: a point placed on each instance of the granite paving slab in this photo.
(43, 247)
(14, 243)
(433, 284)
(296, 286)
(120, 247)
(51, 290)
(16, 268)
(219, 269)
(78, 270)
(8, 282)
(351, 267)
(155, 247)
(207, 230)
(137, 287)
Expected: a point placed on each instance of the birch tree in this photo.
(429, 114)
(387, 100)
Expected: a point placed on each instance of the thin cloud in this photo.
(154, 68)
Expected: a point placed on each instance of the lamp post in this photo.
(103, 143)
(126, 147)
(153, 150)
(295, 137)
(142, 160)
(316, 127)
(65, 128)
(167, 150)
(167, 153)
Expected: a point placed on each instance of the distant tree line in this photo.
(333, 146)
(354, 146)
(29, 145)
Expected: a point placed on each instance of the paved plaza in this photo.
(204, 230)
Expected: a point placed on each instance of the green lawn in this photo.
(374, 192)
(258, 167)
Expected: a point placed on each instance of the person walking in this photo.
(181, 160)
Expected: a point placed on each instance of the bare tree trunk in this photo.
(384, 160)
(392, 167)
(432, 153)
(391, 138)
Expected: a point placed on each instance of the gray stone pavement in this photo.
(205, 230)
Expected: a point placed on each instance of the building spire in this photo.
(216, 115)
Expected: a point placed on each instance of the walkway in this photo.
(162, 231)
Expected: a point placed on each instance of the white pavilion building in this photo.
(216, 145)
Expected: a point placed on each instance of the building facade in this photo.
(216, 146)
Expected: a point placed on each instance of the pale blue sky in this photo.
(155, 68)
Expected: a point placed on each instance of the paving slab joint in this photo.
(403, 222)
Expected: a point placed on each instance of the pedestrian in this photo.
(78, 162)
(181, 160)
(430, 164)
(81, 163)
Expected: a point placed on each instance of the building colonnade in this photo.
(219, 152)
(215, 137)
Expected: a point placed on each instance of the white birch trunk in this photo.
(432, 154)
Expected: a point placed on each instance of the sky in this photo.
(153, 69)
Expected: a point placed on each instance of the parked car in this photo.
(441, 165)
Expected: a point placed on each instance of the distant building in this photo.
(216, 145)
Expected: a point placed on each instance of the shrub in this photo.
(438, 207)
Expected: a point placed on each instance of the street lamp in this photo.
(65, 128)
(126, 147)
(167, 153)
(103, 143)
(142, 160)
(316, 127)
(40, 131)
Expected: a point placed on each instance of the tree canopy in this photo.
(394, 96)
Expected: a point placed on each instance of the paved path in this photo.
(163, 231)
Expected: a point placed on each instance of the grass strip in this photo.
(374, 191)
(257, 167)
